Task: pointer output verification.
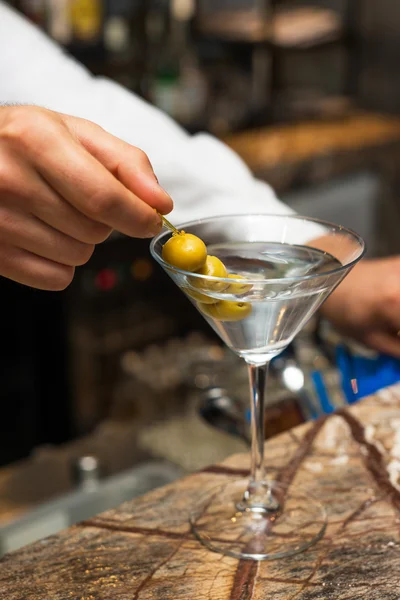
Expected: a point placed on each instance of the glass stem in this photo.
(258, 494)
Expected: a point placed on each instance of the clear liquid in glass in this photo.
(279, 309)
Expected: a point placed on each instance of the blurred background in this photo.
(113, 388)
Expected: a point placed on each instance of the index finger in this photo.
(80, 178)
(127, 163)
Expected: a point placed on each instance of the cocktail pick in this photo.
(167, 224)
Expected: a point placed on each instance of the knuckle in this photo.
(94, 126)
(26, 127)
(142, 158)
(96, 233)
(78, 126)
(8, 183)
(99, 204)
(20, 121)
(84, 254)
(61, 278)
(86, 123)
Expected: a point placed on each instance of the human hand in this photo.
(366, 305)
(65, 184)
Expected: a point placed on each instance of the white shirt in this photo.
(202, 175)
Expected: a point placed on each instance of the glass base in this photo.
(287, 523)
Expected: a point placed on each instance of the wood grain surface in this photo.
(144, 549)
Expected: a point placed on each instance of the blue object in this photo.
(322, 395)
(360, 377)
(363, 376)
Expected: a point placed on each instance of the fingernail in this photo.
(160, 187)
(156, 228)
(166, 193)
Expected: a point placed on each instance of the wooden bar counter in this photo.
(144, 550)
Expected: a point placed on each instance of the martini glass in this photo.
(281, 269)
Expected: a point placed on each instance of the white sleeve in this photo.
(203, 176)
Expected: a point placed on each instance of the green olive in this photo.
(238, 288)
(213, 267)
(226, 311)
(185, 251)
(199, 297)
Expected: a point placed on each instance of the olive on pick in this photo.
(199, 297)
(185, 251)
(226, 311)
(238, 288)
(213, 267)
